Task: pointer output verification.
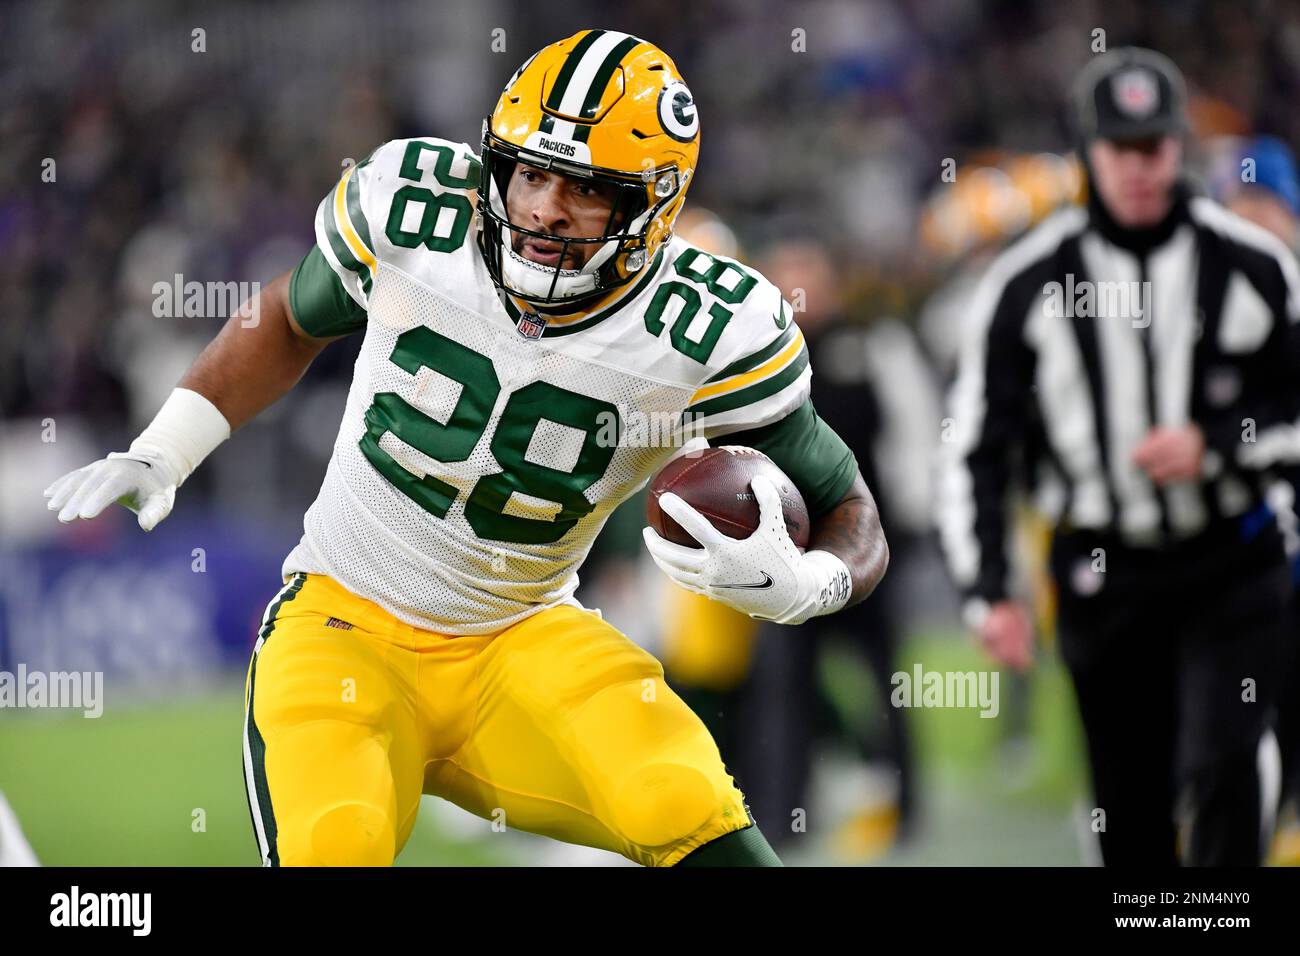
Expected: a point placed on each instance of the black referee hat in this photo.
(1128, 94)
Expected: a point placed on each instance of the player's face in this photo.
(560, 205)
(1135, 179)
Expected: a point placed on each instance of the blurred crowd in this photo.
(143, 141)
(876, 152)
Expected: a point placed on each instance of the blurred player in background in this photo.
(759, 689)
(707, 647)
(1265, 189)
(516, 305)
(875, 389)
(967, 222)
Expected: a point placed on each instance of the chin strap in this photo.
(531, 278)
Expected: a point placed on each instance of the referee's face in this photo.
(1135, 179)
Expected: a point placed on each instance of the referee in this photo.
(1136, 365)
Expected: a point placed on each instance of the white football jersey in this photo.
(482, 449)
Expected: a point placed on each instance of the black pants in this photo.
(1175, 660)
(785, 714)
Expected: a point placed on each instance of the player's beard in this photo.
(573, 256)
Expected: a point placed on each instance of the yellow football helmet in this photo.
(603, 106)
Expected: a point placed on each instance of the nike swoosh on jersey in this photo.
(141, 461)
(765, 583)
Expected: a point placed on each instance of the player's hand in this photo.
(1007, 634)
(1168, 454)
(144, 483)
(764, 575)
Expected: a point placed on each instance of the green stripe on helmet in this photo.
(603, 73)
(570, 64)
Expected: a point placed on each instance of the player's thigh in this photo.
(331, 750)
(579, 737)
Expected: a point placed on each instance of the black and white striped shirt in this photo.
(1080, 338)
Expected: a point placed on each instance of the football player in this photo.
(523, 309)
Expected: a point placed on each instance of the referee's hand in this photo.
(1007, 634)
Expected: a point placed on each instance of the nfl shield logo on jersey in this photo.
(531, 325)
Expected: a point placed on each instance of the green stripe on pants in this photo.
(256, 756)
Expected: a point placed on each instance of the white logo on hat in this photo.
(1135, 93)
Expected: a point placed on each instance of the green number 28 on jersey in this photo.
(453, 442)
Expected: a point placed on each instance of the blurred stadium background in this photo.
(827, 130)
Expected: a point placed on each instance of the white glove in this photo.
(185, 430)
(145, 483)
(764, 575)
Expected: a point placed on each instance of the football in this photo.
(716, 484)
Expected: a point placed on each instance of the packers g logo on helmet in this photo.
(603, 106)
(677, 112)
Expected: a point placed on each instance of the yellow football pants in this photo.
(558, 725)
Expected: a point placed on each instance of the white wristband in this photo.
(184, 432)
(834, 580)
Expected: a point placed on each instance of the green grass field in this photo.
(127, 788)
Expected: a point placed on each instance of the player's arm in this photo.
(1272, 405)
(852, 532)
(260, 353)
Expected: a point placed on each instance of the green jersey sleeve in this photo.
(821, 466)
(320, 303)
